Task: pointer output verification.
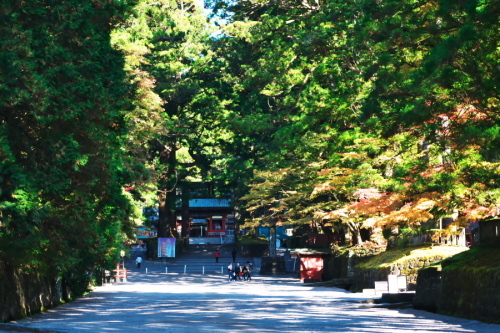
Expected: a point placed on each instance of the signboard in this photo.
(166, 247)
(142, 233)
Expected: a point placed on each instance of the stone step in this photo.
(404, 297)
(369, 292)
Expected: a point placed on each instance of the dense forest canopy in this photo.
(383, 112)
(63, 98)
(347, 113)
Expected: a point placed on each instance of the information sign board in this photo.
(166, 247)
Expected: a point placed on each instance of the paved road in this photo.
(177, 302)
(195, 303)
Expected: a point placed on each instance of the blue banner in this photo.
(166, 247)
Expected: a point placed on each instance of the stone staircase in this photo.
(196, 259)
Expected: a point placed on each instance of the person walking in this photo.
(230, 271)
(249, 267)
(217, 255)
(233, 253)
(138, 261)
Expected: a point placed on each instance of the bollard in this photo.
(146, 270)
(166, 270)
(203, 270)
(185, 266)
(221, 269)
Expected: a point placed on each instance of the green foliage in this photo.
(335, 114)
(404, 236)
(63, 98)
(478, 257)
(252, 240)
(394, 256)
(396, 98)
(179, 126)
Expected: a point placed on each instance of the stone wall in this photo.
(23, 294)
(365, 277)
(474, 295)
(340, 265)
(458, 239)
(428, 289)
(468, 286)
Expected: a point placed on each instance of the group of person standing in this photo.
(237, 272)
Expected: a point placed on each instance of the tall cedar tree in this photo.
(168, 51)
(63, 96)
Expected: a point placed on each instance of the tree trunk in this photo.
(185, 210)
(162, 214)
(354, 230)
(166, 193)
(358, 237)
(272, 242)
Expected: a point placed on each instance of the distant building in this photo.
(209, 218)
(200, 211)
(204, 213)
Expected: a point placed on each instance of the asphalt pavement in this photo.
(159, 301)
